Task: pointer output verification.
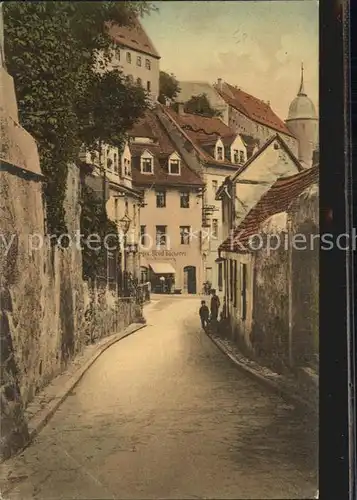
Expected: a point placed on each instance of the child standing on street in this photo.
(204, 314)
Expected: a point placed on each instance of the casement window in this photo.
(142, 235)
(185, 235)
(116, 163)
(147, 64)
(161, 236)
(214, 186)
(160, 199)
(174, 167)
(241, 157)
(243, 288)
(185, 199)
(219, 153)
(138, 61)
(127, 167)
(215, 228)
(235, 156)
(128, 57)
(148, 86)
(146, 165)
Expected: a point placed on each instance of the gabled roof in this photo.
(204, 132)
(282, 143)
(149, 127)
(134, 37)
(161, 149)
(277, 199)
(252, 107)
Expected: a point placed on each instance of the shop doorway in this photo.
(190, 279)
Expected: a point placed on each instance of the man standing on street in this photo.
(215, 305)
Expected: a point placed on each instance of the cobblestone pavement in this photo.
(165, 415)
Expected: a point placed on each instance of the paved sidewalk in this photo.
(287, 386)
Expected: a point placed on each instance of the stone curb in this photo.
(284, 392)
(38, 422)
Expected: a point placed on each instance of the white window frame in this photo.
(217, 153)
(178, 162)
(146, 156)
(234, 153)
(185, 231)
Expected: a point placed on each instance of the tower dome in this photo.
(303, 123)
(302, 106)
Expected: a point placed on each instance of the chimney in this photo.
(181, 108)
(219, 83)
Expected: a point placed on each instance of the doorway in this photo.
(190, 279)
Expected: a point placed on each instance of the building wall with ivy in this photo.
(48, 312)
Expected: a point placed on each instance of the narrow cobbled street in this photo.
(163, 414)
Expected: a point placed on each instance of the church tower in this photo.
(303, 122)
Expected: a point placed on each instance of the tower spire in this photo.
(302, 89)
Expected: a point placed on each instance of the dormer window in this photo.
(219, 153)
(116, 165)
(147, 164)
(174, 167)
(127, 171)
(235, 156)
(174, 164)
(241, 157)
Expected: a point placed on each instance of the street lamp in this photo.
(124, 225)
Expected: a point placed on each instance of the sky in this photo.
(257, 45)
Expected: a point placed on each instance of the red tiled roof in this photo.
(253, 108)
(202, 124)
(276, 200)
(204, 131)
(133, 37)
(161, 149)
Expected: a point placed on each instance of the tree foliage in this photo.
(169, 87)
(109, 108)
(199, 105)
(51, 49)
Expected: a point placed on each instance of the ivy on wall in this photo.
(50, 50)
(94, 221)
